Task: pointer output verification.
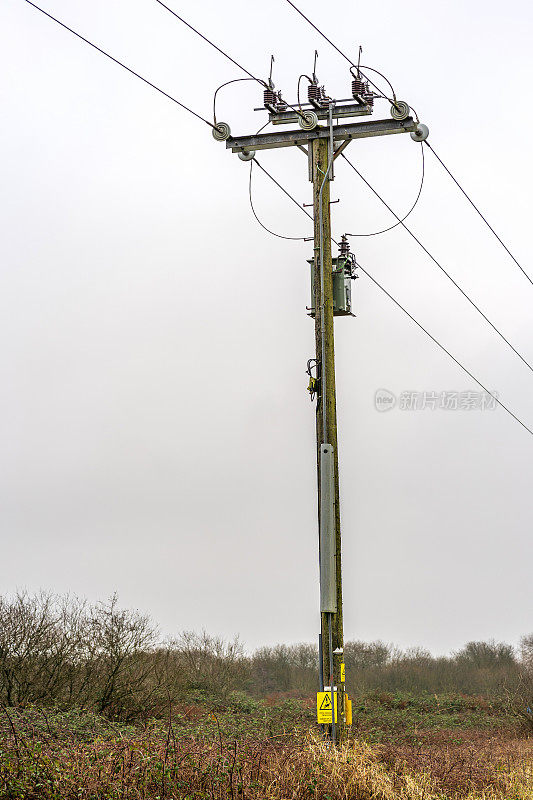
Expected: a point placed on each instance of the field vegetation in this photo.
(93, 705)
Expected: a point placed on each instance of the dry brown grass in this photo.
(151, 766)
(358, 771)
(462, 762)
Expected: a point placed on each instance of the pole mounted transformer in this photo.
(343, 272)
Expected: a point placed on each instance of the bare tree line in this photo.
(64, 652)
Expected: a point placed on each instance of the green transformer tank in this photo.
(342, 275)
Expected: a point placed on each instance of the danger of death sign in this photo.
(323, 707)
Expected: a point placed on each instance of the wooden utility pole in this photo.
(326, 423)
(322, 144)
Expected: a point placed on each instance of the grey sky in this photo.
(156, 435)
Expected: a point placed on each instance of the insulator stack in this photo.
(317, 95)
(344, 246)
(358, 87)
(273, 101)
(368, 97)
(313, 93)
(269, 98)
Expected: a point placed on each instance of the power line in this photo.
(391, 227)
(217, 90)
(505, 408)
(223, 52)
(201, 35)
(174, 100)
(112, 58)
(399, 305)
(393, 101)
(439, 265)
(279, 235)
(284, 190)
(372, 69)
(489, 226)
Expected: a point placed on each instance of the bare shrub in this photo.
(41, 643)
(285, 668)
(119, 660)
(209, 664)
(520, 695)
(60, 651)
(486, 654)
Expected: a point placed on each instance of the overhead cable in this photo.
(489, 226)
(217, 90)
(283, 189)
(174, 100)
(400, 221)
(391, 100)
(201, 35)
(422, 328)
(439, 265)
(223, 52)
(278, 235)
(494, 397)
(145, 80)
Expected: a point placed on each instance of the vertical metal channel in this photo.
(323, 277)
(320, 664)
(321, 675)
(331, 687)
(328, 549)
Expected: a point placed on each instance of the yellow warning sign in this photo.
(323, 707)
(343, 672)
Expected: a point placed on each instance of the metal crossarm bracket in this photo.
(341, 147)
(351, 110)
(356, 130)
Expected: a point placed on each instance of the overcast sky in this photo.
(156, 434)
